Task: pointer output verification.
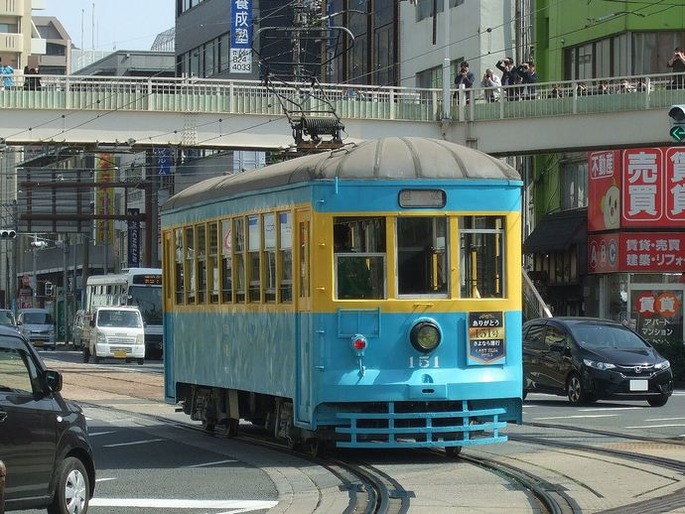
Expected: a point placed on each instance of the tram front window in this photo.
(422, 256)
(482, 256)
(359, 258)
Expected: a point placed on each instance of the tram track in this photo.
(545, 497)
(370, 488)
(633, 459)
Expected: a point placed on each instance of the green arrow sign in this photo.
(678, 133)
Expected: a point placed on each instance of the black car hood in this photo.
(623, 357)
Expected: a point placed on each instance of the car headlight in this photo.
(602, 366)
(140, 339)
(425, 336)
(662, 365)
(102, 338)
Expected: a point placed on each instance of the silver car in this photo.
(38, 326)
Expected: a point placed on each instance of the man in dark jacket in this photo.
(464, 79)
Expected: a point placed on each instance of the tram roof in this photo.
(388, 158)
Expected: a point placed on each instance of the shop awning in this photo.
(558, 232)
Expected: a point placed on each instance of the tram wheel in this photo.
(316, 447)
(453, 451)
(231, 429)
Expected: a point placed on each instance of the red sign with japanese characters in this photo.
(604, 190)
(642, 191)
(636, 252)
(652, 251)
(675, 184)
(658, 315)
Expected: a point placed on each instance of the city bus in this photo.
(138, 287)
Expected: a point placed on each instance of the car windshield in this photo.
(119, 319)
(38, 318)
(6, 318)
(607, 336)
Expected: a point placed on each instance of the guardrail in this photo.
(75, 92)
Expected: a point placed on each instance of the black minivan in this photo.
(588, 359)
(44, 441)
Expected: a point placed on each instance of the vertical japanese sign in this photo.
(658, 315)
(163, 156)
(104, 205)
(643, 187)
(604, 191)
(675, 184)
(241, 36)
(133, 240)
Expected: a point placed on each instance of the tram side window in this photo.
(178, 243)
(481, 256)
(239, 253)
(226, 262)
(201, 233)
(269, 257)
(213, 263)
(285, 264)
(189, 268)
(254, 246)
(422, 264)
(359, 246)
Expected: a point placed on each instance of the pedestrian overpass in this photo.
(241, 114)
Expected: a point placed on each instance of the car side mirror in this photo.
(54, 380)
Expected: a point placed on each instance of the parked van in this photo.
(116, 333)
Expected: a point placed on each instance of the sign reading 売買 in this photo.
(241, 36)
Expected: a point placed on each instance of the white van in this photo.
(117, 333)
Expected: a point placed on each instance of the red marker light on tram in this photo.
(359, 343)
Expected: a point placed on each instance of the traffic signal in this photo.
(48, 288)
(677, 115)
(8, 233)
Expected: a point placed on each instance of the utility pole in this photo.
(65, 286)
(299, 18)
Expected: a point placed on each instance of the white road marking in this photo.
(674, 425)
(665, 419)
(236, 506)
(105, 479)
(95, 434)
(132, 443)
(612, 409)
(577, 417)
(206, 464)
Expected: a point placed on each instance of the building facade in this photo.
(628, 263)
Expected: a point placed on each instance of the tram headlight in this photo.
(425, 336)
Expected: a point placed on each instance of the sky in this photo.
(117, 24)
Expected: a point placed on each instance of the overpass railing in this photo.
(223, 96)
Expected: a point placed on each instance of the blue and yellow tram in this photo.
(368, 296)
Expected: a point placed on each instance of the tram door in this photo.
(304, 340)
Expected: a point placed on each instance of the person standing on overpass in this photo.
(677, 62)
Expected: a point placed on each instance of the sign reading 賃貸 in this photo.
(241, 36)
